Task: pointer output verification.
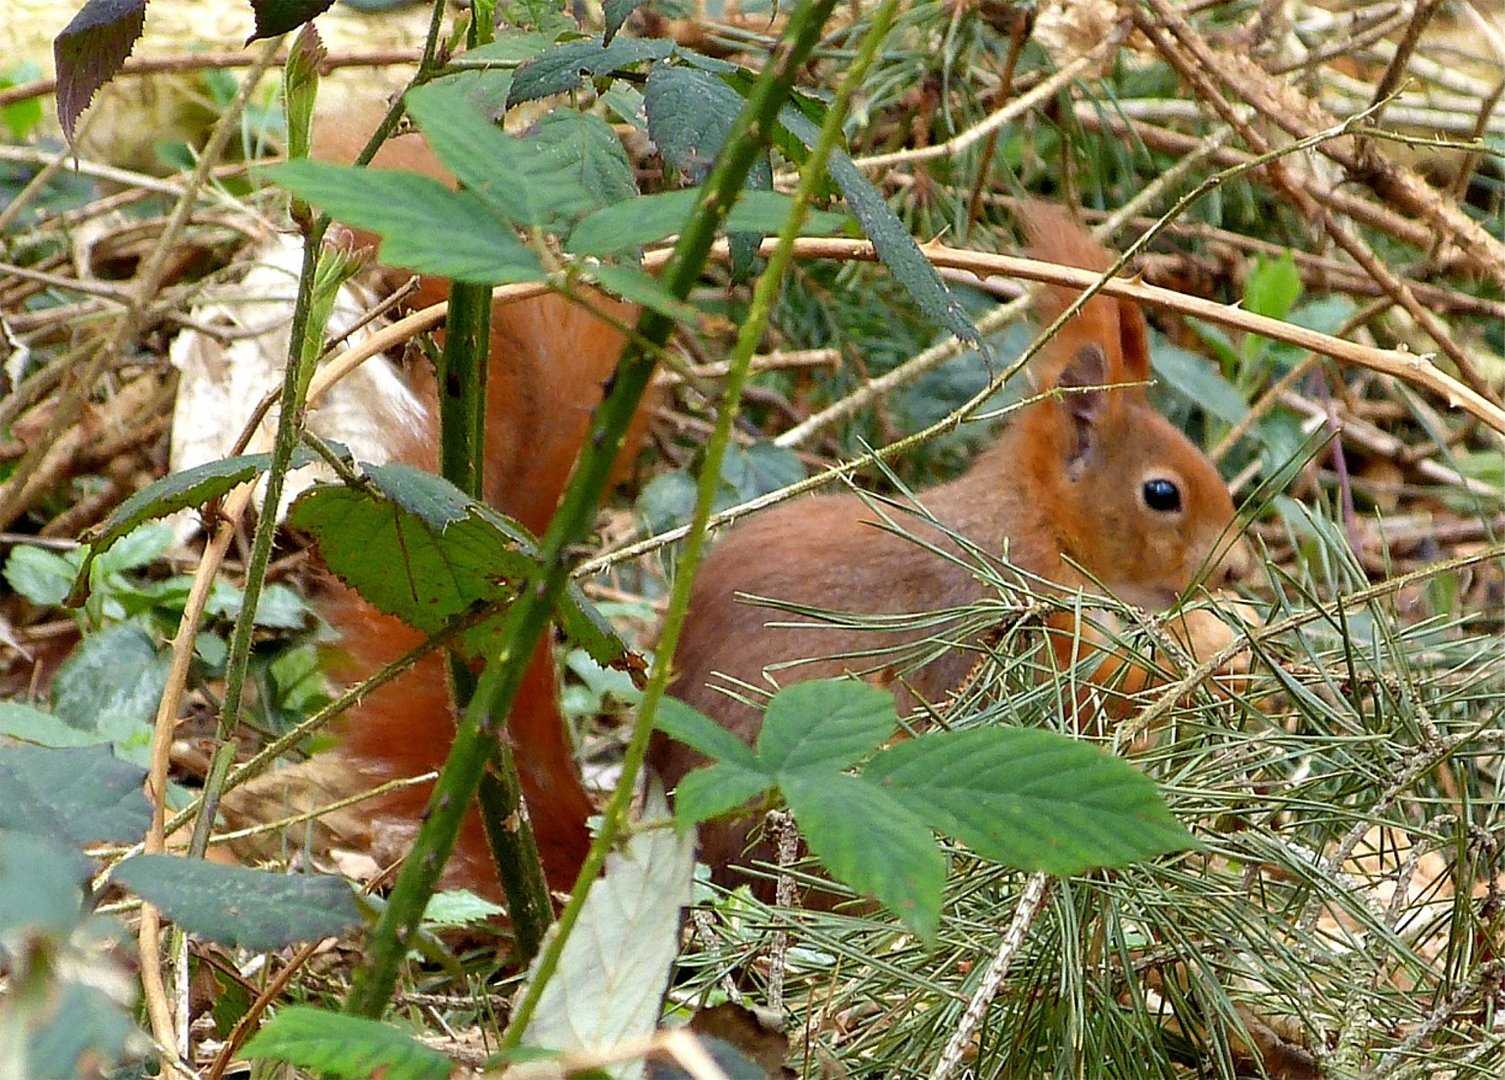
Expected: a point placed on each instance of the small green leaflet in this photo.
(895, 247)
(415, 547)
(1031, 799)
(347, 1047)
(174, 492)
(424, 226)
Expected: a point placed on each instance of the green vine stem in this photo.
(765, 293)
(461, 378)
(477, 733)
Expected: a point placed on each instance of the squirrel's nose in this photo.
(1236, 565)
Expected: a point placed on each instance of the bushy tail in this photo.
(550, 360)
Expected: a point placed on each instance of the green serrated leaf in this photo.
(458, 907)
(416, 547)
(180, 491)
(690, 112)
(347, 1047)
(231, 905)
(625, 101)
(432, 499)
(140, 547)
(760, 468)
(424, 225)
(645, 290)
(488, 162)
(405, 564)
(550, 18)
(512, 48)
(615, 13)
(28, 725)
(707, 793)
(77, 795)
(581, 155)
(697, 730)
(585, 626)
(824, 726)
(871, 842)
(896, 249)
(560, 69)
(1033, 800)
(647, 219)
(666, 501)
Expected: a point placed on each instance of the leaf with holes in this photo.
(642, 288)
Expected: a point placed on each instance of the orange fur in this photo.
(1062, 493)
(550, 359)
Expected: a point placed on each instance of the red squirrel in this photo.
(1093, 478)
(1090, 487)
(549, 361)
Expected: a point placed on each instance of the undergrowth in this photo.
(1343, 917)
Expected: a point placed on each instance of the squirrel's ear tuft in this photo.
(1055, 236)
(1134, 333)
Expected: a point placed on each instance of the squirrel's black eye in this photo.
(1162, 495)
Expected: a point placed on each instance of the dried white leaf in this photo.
(228, 367)
(615, 968)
